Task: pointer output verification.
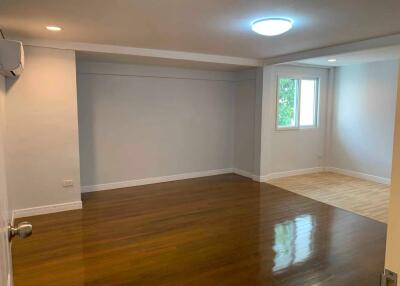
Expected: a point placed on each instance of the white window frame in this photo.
(298, 102)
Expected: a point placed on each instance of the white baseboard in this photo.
(244, 173)
(264, 178)
(290, 173)
(47, 209)
(78, 204)
(359, 175)
(154, 180)
(350, 173)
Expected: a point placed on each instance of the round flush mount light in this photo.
(54, 28)
(272, 26)
(332, 60)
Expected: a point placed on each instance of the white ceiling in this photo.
(359, 57)
(219, 27)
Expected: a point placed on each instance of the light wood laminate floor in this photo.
(360, 196)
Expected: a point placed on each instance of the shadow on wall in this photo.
(10, 81)
(87, 152)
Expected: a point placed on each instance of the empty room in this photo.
(343, 128)
(177, 142)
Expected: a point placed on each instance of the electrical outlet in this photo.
(68, 183)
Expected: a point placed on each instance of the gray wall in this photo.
(302, 148)
(218, 120)
(205, 121)
(363, 118)
(290, 150)
(245, 104)
(42, 130)
(140, 122)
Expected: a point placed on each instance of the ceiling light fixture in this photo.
(272, 26)
(54, 28)
(332, 60)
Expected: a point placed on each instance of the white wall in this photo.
(42, 130)
(288, 150)
(244, 124)
(5, 253)
(363, 118)
(139, 122)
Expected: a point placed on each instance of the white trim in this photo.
(244, 173)
(9, 279)
(126, 50)
(359, 175)
(266, 178)
(47, 209)
(257, 179)
(153, 180)
(149, 71)
(371, 43)
(306, 65)
(376, 42)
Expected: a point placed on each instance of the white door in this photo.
(5, 253)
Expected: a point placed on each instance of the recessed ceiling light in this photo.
(54, 28)
(332, 60)
(272, 26)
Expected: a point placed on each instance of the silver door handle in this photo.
(23, 230)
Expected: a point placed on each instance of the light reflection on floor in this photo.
(293, 242)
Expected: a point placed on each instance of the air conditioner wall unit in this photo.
(11, 58)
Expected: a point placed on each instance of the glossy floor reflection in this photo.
(293, 242)
(221, 230)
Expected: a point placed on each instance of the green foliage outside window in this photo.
(287, 89)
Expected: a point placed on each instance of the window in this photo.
(297, 103)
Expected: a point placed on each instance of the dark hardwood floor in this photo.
(220, 230)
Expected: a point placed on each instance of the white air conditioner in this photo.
(11, 58)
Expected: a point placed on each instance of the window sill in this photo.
(297, 128)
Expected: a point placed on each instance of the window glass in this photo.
(287, 102)
(297, 103)
(308, 100)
